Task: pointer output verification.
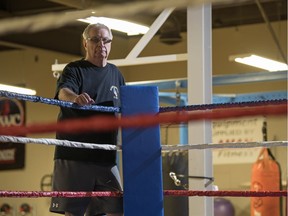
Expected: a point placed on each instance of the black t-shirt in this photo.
(103, 85)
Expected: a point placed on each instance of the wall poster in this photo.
(12, 113)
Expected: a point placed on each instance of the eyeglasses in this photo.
(97, 40)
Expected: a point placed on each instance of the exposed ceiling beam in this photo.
(81, 4)
(150, 34)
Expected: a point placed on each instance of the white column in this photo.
(199, 92)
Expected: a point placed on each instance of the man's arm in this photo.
(67, 94)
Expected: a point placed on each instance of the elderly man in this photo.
(91, 80)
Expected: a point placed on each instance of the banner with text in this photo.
(244, 129)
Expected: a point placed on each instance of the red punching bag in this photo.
(266, 176)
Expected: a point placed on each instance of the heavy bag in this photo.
(266, 176)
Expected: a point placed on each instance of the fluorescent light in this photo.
(118, 25)
(17, 89)
(260, 62)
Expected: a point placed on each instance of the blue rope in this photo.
(58, 102)
(117, 109)
(220, 105)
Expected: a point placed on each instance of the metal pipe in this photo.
(266, 19)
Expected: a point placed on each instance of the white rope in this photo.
(57, 142)
(55, 20)
(225, 145)
(74, 144)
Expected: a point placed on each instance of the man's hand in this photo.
(83, 99)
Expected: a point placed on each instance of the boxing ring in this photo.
(143, 187)
(141, 147)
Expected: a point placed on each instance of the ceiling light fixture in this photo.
(16, 89)
(118, 25)
(260, 62)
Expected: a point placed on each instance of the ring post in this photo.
(141, 150)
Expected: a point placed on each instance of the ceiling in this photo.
(67, 39)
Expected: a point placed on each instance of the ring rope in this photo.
(226, 193)
(57, 142)
(35, 194)
(105, 123)
(221, 105)
(117, 109)
(58, 102)
(74, 144)
(225, 145)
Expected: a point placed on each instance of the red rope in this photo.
(35, 194)
(226, 193)
(104, 123)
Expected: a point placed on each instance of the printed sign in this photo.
(12, 113)
(244, 129)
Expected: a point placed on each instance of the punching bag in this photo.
(266, 176)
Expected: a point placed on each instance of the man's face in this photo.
(98, 44)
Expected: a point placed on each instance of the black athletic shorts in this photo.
(72, 175)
